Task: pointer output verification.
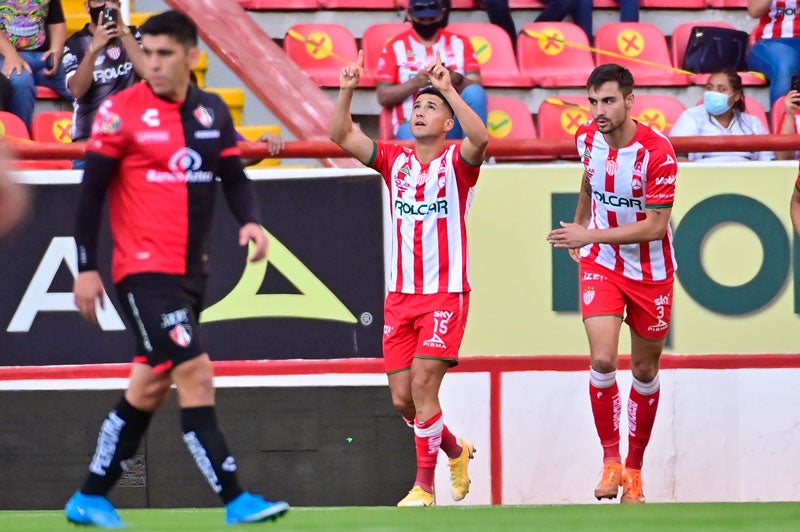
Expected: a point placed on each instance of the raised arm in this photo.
(342, 130)
(473, 147)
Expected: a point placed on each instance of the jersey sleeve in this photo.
(465, 172)
(662, 170)
(108, 135)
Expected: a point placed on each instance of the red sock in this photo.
(641, 417)
(606, 408)
(450, 444)
(428, 439)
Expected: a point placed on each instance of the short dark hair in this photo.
(611, 72)
(736, 85)
(172, 23)
(431, 90)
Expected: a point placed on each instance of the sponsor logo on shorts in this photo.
(441, 319)
(387, 330)
(661, 325)
(588, 296)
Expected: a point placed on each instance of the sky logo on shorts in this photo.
(181, 335)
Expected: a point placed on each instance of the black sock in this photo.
(209, 450)
(117, 442)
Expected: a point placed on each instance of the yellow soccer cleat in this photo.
(632, 487)
(417, 498)
(610, 480)
(459, 476)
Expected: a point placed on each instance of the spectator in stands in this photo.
(499, 13)
(100, 60)
(581, 13)
(789, 123)
(402, 67)
(32, 36)
(776, 51)
(722, 113)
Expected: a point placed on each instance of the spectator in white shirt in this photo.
(721, 113)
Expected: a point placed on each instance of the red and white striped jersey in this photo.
(404, 56)
(429, 205)
(780, 21)
(624, 183)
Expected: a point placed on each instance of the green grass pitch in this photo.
(728, 517)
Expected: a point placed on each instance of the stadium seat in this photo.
(544, 56)
(510, 118)
(495, 53)
(252, 133)
(46, 93)
(776, 114)
(526, 4)
(454, 4)
(52, 126)
(680, 40)
(559, 117)
(642, 48)
(373, 40)
(12, 126)
(265, 5)
(727, 4)
(321, 50)
(200, 69)
(385, 126)
(357, 4)
(660, 112)
(673, 4)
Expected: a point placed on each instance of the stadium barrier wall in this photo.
(727, 426)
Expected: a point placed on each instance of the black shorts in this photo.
(162, 311)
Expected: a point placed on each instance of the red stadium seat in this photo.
(46, 93)
(640, 47)
(673, 4)
(545, 54)
(559, 117)
(509, 118)
(495, 54)
(526, 4)
(660, 112)
(728, 4)
(52, 126)
(680, 40)
(321, 50)
(265, 5)
(12, 126)
(776, 114)
(357, 4)
(374, 39)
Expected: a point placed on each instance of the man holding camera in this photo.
(100, 60)
(32, 38)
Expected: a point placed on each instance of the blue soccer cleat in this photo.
(249, 508)
(92, 510)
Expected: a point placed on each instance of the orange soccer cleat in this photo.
(459, 476)
(416, 498)
(610, 480)
(632, 487)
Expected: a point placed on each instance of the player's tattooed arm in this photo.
(586, 184)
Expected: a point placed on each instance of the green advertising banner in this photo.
(735, 247)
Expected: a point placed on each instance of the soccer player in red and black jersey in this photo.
(425, 313)
(156, 149)
(622, 240)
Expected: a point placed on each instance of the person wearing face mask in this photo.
(721, 113)
(402, 66)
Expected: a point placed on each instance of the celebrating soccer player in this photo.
(430, 188)
(622, 240)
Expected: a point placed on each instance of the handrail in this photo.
(497, 147)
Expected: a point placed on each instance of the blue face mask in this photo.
(715, 103)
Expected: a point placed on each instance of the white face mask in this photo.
(716, 103)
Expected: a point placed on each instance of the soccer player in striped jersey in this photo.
(622, 240)
(430, 188)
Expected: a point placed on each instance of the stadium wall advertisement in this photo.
(727, 423)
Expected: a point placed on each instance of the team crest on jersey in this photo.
(422, 177)
(204, 115)
(611, 167)
(113, 52)
(588, 296)
(181, 335)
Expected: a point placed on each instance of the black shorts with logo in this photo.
(162, 311)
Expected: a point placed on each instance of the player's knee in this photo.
(644, 372)
(604, 363)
